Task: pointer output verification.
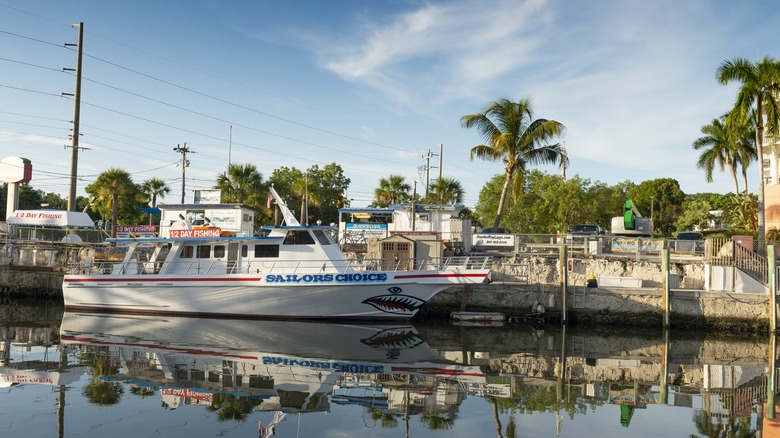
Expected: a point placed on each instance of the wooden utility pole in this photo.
(183, 150)
(74, 153)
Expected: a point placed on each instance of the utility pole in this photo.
(183, 150)
(441, 154)
(74, 153)
(427, 168)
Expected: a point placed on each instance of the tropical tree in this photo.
(446, 191)
(109, 189)
(515, 137)
(154, 188)
(717, 150)
(759, 91)
(391, 190)
(242, 184)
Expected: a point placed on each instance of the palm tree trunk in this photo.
(734, 179)
(745, 178)
(760, 190)
(504, 191)
(496, 418)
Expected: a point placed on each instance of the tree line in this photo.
(521, 198)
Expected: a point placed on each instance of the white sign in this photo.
(494, 240)
(210, 196)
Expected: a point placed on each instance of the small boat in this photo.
(292, 271)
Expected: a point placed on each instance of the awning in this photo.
(50, 218)
(151, 210)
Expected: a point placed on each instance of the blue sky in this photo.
(370, 85)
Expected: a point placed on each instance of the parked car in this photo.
(499, 230)
(688, 241)
(583, 232)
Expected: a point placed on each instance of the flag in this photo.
(270, 200)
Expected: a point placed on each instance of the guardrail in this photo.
(220, 267)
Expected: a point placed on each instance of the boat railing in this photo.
(219, 267)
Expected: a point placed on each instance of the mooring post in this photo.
(664, 378)
(771, 257)
(771, 384)
(665, 301)
(563, 265)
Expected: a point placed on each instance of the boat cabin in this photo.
(284, 248)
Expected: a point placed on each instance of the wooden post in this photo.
(563, 265)
(772, 277)
(771, 383)
(665, 301)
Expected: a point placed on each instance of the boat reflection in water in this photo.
(269, 365)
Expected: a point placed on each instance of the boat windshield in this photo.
(298, 237)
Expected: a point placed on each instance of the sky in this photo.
(373, 86)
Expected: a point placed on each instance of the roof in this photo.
(386, 211)
(204, 206)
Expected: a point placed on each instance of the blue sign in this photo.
(326, 278)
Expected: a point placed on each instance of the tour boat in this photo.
(293, 271)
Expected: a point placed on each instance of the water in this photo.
(93, 375)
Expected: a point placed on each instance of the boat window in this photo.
(265, 251)
(244, 250)
(298, 237)
(187, 252)
(204, 251)
(320, 235)
(219, 251)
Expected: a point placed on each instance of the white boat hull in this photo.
(375, 295)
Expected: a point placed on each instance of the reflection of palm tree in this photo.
(102, 393)
(142, 391)
(231, 407)
(735, 427)
(436, 422)
(496, 419)
(386, 420)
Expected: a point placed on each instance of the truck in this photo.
(632, 223)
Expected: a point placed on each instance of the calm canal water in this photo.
(82, 375)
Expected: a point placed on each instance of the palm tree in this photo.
(718, 149)
(154, 188)
(759, 90)
(512, 135)
(391, 190)
(109, 188)
(446, 191)
(240, 184)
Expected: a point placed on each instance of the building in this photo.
(440, 222)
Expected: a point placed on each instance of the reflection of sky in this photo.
(31, 410)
